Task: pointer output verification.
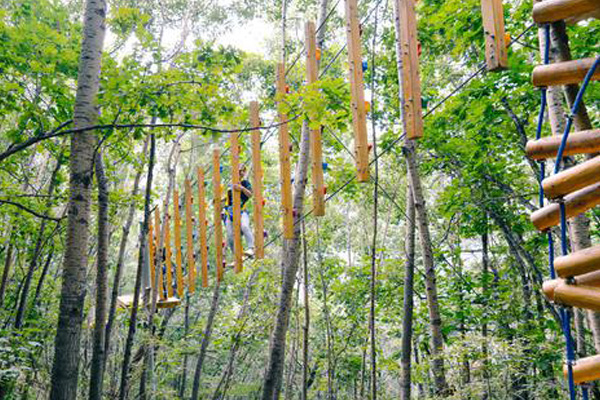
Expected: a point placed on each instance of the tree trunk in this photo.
(40, 284)
(407, 321)
(121, 258)
(274, 372)
(37, 252)
(124, 387)
(437, 340)
(306, 328)
(485, 269)
(186, 328)
(8, 258)
(98, 354)
(205, 341)
(65, 370)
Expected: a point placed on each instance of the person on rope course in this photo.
(245, 189)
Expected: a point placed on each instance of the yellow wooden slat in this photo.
(284, 160)
(496, 56)
(237, 202)
(315, 134)
(151, 254)
(191, 269)
(412, 111)
(158, 255)
(202, 227)
(177, 231)
(217, 214)
(357, 93)
(257, 174)
(168, 255)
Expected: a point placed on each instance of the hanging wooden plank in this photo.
(586, 369)
(257, 189)
(578, 263)
(582, 142)
(587, 297)
(496, 55)
(191, 269)
(168, 255)
(357, 92)
(284, 160)
(237, 202)
(572, 179)
(315, 134)
(151, 255)
(408, 54)
(158, 255)
(564, 73)
(177, 231)
(202, 227)
(217, 214)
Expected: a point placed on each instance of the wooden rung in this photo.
(191, 269)
(575, 204)
(556, 10)
(202, 227)
(177, 232)
(315, 134)
(578, 263)
(583, 142)
(257, 185)
(563, 73)
(284, 161)
(586, 369)
(496, 55)
(412, 111)
(168, 255)
(581, 296)
(158, 255)
(589, 279)
(237, 203)
(217, 213)
(357, 92)
(572, 179)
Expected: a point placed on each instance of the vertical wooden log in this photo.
(168, 256)
(217, 214)
(237, 202)
(284, 160)
(151, 255)
(191, 269)
(496, 56)
(315, 134)
(357, 92)
(177, 231)
(202, 227)
(412, 117)
(257, 174)
(158, 255)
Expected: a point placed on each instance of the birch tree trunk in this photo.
(407, 321)
(65, 370)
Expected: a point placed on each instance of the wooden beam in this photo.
(412, 111)
(168, 255)
(587, 297)
(237, 203)
(126, 301)
(257, 183)
(158, 255)
(556, 10)
(177, 231)
(582, 142)
(496, 54)
(575, 204)
(315, 134)
(357, 92)
(572, 179)
(217, 214)
(191, 269)
(202, 227)
(589, 279)
(578, 263)
(563, 73)
(586, 369)
(284, 160)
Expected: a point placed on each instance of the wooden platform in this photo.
(126, 301)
